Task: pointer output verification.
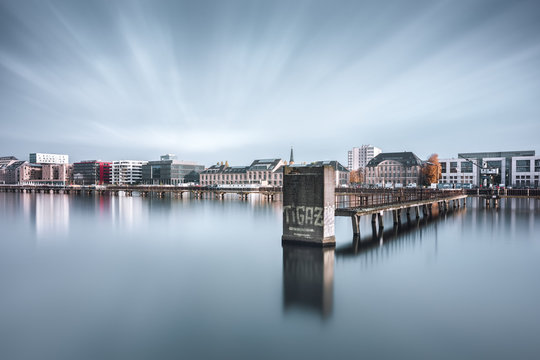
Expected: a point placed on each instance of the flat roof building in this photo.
(42, 158)
(359, 157)
(500, 160)
(92, 172)
(169, 171)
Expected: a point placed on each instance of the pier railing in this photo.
(505, 192)
(366, 198)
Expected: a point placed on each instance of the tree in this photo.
(431, 172)
(357, 176)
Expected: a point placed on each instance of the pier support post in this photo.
(380, 220)
(355, 220)
(417, 212)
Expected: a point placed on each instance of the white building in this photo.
(127, 172)
(526, 171)
(341, 173)
(359, 157)
(41, 158)
(458, 171)
(265, 172)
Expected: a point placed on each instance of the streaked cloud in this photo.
(241, 79)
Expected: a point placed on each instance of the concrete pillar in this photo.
(309, 205)
(417, 212)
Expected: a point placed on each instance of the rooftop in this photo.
(406, 158)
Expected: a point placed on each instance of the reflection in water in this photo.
(383, 243)
(308, 278)
(51, 216)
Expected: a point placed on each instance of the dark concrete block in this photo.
(309, 205)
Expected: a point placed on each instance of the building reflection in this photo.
(51, 217)
(308, 278)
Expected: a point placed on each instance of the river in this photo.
(99, 277)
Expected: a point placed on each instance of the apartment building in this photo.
(127, 172)
(359, 157)
(42, 158)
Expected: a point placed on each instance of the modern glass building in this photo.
(92, 172)
(501, 160)
(169, 171)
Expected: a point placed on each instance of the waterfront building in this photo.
(29, 173)
(169, 171)
(92, 172)
(43, 174)
(500, 160)
(5, 161)
(342, 174)
(126, 172)
(265, 172)
(41, 158)
(526, 171)
(459, 171)
(8, 169)
(359, 157)
(391, 169)
(56, 174)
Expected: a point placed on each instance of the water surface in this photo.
(90, 277)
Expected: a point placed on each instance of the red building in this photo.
(92, 172)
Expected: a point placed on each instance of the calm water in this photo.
(135, 278)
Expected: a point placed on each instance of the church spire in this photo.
(291, 161)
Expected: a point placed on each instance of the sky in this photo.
(233, 81)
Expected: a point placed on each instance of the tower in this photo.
(291, 161)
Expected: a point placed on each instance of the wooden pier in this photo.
(356, 203)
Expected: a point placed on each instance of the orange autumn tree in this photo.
(431, 172)
(357, 176)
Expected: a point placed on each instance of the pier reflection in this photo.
(382, 243)
(308, 278)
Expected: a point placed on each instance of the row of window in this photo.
(271, 183)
